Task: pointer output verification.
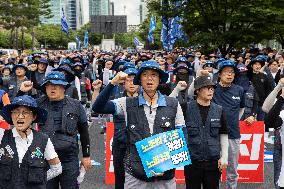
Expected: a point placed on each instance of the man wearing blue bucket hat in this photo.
(155, 107)
(24, 151)
(66, 118)
(120, 136)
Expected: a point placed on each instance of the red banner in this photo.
(251, 161)
(110, 178)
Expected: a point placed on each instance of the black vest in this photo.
(251, 100)
(203, 140)
(64, 139)
(138, 129)
(32, 172)
(83, 83)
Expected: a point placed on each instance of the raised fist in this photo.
(97, 84)
(26, 86)
(119, 78)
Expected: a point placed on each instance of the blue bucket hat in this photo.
(208, 64)
(260, 58)
(56, 78)
(181, 59)
(228, 63)
(78, 64)
(150, 65)
(182, 66)
(131, 71)
(43, 60)
(65, 61)
(119, 63)
(27, 101)
(65, 68)
(128, 65)
(19, 66)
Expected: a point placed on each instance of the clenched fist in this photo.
(119, 78)
(97, 84)
(26, 86)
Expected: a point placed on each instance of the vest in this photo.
(64, 139)
(2, 92)
(120, 136)
(138, 129)
(12, 87)
(203, 140)
(32, 172)
(251, 99)
(83, 90)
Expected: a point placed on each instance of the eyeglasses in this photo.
(229, 72)
(24, 113)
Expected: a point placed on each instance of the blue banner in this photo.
(163, 152)
(64, 24)
(86, 39)
(78, 43)
(152, 29)
(137, 41)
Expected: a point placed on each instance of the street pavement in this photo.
(95, 179)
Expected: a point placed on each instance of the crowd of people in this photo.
(48, 99)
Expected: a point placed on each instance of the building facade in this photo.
(76, 12)
(99, 7)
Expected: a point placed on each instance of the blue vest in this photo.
(138, 129)
(64, 139)
(203, 140)
(31, 173)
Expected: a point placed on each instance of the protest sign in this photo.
(164, 151)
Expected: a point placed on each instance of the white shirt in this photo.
(22, 145)
(120, 107)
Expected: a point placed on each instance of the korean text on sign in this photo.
(163, 152)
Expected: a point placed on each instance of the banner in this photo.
(164, 151)
(251, 161)
(110, 178)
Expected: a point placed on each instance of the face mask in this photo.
(78, 72)
(182, 77)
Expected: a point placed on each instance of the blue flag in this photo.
(86, 39)
(165, 33)
(137, 42)
(64, 24)
(78, 42)
(172, 29)
(152, 29)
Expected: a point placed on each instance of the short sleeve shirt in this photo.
(232, 100)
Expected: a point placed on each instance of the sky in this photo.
(131, 10)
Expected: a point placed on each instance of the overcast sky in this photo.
(131, 10)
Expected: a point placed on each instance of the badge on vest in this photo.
(167, 124)
(213, 120)
(9, 150)
(37, 153)
(11, 87)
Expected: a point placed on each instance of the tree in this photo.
(223, 24)
(15, 14)
(94, 39)
(50, 36)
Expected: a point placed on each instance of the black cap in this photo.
(203, 81)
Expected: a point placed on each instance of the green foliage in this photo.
(226, 24)
(94, 39)
(5, 39)
(51, 36)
